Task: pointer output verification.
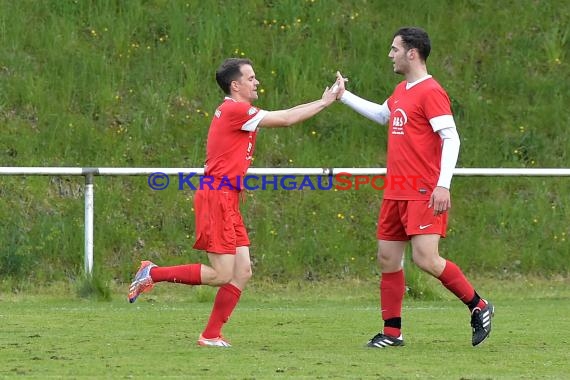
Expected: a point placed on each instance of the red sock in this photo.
(184, 274)
(224, 304)
(392, 290)
(453, 279)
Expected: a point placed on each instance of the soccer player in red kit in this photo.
(220, 230)
(423, 146)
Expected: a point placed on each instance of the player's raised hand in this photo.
(330, 94)
(340, 81)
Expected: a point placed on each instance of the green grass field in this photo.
(294, 331)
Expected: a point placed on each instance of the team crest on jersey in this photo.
(252, 111)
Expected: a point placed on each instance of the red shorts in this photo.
(219, 225)
(399, 220)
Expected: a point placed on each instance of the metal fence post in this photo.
(88, 223)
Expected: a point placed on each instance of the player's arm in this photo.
(440, 199)
(445, 127)
(379, 113)
(302, 112)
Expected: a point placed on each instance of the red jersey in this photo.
(231, 142)
(414, 149)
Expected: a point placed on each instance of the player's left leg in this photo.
(425, 254)
(227, 298)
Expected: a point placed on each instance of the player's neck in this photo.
(236, 97)
(416, 73)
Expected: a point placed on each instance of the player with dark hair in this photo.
(220, 230)
(423, 146)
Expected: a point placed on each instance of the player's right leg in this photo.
(392, 290)
(392, 241)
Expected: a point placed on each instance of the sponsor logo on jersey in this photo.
(399, 119)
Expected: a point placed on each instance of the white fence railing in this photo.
(90, 172)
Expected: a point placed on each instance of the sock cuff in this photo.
(448, 271)
(232, 289)
(392, 275)
(195, 274)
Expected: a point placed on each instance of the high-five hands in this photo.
(338, 87)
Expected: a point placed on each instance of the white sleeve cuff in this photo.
(373, 111)
(252, 123)
(442, 122)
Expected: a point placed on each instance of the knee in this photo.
(388, 263)
(244, 274)
(428, 264)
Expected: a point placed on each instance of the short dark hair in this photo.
(415, 38)
(229, 71)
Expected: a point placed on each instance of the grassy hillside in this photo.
(131, 84)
